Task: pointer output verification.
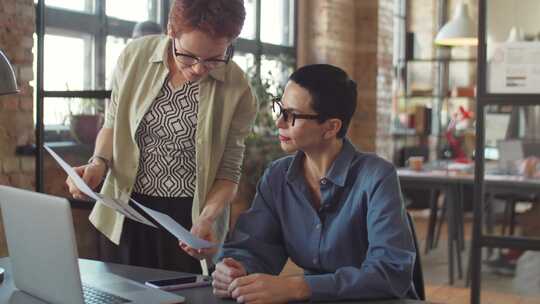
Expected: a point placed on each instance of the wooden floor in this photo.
(496, 289)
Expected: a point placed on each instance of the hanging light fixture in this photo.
(460, 31)
(8, 83)
(516, 35)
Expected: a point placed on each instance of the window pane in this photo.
(275, 71)
(58, 111)
(245, 61)
(135, 10)
(115, 45)
(67, 63)
(277, 22)
(76, 5)
(248, 31)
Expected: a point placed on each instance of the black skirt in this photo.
(142, 245)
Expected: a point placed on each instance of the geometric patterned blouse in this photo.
(166, 140)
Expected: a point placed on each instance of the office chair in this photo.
(418, 276)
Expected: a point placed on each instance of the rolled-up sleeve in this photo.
(257, 241)
(111, 105)
(387, 270)
(231, 164)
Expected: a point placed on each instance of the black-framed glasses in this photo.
(279, 110)
(212, 63)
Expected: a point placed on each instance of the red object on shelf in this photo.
(453, 142)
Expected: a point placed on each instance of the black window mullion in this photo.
(120, 28)
(88, 94)
(258, 46)
(164, 13)
(71, 20)
(287, 32)
(100, 40)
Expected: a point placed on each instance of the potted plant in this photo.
(262, 145)
(86, 119)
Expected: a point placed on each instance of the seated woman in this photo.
(336, 212)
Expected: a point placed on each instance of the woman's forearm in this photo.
(103, 145)
(220, 195)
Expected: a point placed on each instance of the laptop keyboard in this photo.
(95, 296)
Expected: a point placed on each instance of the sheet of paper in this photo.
(115, 204)
(124, 209)
(514, 67)
(176, 229)
(79, 182)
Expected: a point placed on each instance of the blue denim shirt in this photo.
(358, 245)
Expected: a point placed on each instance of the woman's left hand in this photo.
(202, 229)
(265, 288)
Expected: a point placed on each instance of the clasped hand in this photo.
(230, 280)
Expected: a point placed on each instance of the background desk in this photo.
(451, 185)
(8, 293)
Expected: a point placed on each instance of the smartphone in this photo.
(180, 282)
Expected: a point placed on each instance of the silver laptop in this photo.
(42, 247)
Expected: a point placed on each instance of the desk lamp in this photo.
(8, 85)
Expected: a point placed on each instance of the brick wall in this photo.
(17, 27)
(356, 36)
(384, 143)
(16, 116)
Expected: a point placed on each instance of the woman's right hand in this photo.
(226, 272)
(92, 174)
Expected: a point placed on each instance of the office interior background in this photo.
(416, 101)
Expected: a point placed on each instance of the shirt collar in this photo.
(338, 171)
(160, 56)
(340, 168)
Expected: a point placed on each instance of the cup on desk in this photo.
(529, 167)
(416, 163)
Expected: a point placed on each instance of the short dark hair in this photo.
(333, 93)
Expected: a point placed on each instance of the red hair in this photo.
(217, 18)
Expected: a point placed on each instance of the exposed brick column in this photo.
(356, 36)
(384, 144)
(16, 116)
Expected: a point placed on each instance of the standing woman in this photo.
(174, 131)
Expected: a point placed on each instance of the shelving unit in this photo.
(485, 99)
(436, 98)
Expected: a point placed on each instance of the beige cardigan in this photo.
(226, 112)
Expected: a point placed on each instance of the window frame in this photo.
(98, 25)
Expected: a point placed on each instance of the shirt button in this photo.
(323, 181)
(315, 261)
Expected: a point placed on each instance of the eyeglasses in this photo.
(277, 107)
(190, 60)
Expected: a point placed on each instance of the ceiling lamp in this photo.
(460, 31)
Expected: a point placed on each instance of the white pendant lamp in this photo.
(8, 83)
(460, 31)
(515, 35)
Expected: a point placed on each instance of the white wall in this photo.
(504, 14)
